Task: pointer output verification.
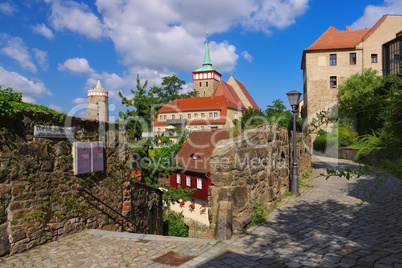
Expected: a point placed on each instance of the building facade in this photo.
(98, 104)
(337, 55)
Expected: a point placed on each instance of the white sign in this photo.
(53, 132)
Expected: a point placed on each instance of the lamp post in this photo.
(294, 97)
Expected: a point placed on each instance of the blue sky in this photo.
(54, 51)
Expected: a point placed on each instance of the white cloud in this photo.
(16, 50)
(76, 65)
(373, 13)
(79, 101)
(75, 17)
(28, 99)
(247, 56)
(55, 107)
(41, 57)
(7, 8)
(22, 84)
(42, 29)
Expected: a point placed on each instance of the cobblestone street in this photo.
(327, 226)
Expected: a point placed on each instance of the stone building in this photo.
(337, 55)
(217, 105)
(98, 105)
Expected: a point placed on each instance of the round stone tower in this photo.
(98, 106)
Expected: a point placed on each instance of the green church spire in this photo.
(207, 65)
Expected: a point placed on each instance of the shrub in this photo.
(173, 225)
(259, 214)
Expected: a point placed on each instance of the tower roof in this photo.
(207, 65)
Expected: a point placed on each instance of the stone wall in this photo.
(39, 199)
(251, 168)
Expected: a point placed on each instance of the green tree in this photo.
(362, 96)
(252, 118)
(140, 118)
(277, 113)
(170, 90)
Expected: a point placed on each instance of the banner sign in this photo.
(53, 132)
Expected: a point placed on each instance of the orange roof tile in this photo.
(226, 90)
(336, 39)
(195, 155)
(197, 104)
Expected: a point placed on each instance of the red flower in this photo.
(182, 203)
(191, 206)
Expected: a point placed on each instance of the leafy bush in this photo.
(259, 214)
(342, 135)
(8, 100)
(173, 224)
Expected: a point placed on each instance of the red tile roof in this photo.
(195, 155)
(226, 90)
(197, 104)
(336, 39)
(247, 94)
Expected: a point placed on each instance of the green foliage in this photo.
(177, 194)
(173, 225)
(342, 135)
(258, 215)
(11, 101)
(8, 101)
(252, 118)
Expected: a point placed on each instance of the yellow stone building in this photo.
(337, 55)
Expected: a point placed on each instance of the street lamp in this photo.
(294, 97)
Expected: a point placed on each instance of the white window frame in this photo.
(178, 178)
(199, 183)
(215, 114)
(188, 181)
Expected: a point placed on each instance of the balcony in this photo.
(176, 122)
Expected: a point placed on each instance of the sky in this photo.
(54, 51)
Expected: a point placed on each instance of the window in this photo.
(352, 58)
(200, 84)
(206, 84)
(161, 117)
(202, 127)
(188, 180)
(236, 115)
(199, 183)
(210, 115)
(178, 178)
(189, 128)
(195, 128)
(209, 127)
(332, 81)
(202, 115)
(159, 129)
(173, 117)
(195, 115)
(215, 114)
(181, 116)
(164, 117)
(189, 116)
(332, 59)
(373, 58)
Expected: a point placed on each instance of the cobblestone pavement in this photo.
(327, 226)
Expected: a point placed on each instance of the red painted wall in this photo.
(200, 193)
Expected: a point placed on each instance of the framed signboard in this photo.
(82, 157)
(97, 156)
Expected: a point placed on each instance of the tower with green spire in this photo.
(206, 78)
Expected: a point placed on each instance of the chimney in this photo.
(347, 28)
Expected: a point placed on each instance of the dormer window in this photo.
(195, 156)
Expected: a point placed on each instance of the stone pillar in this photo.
(223, 229)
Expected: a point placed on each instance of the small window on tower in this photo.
(206, 84)
(200, 84)
(373, 58)
(332, 81)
